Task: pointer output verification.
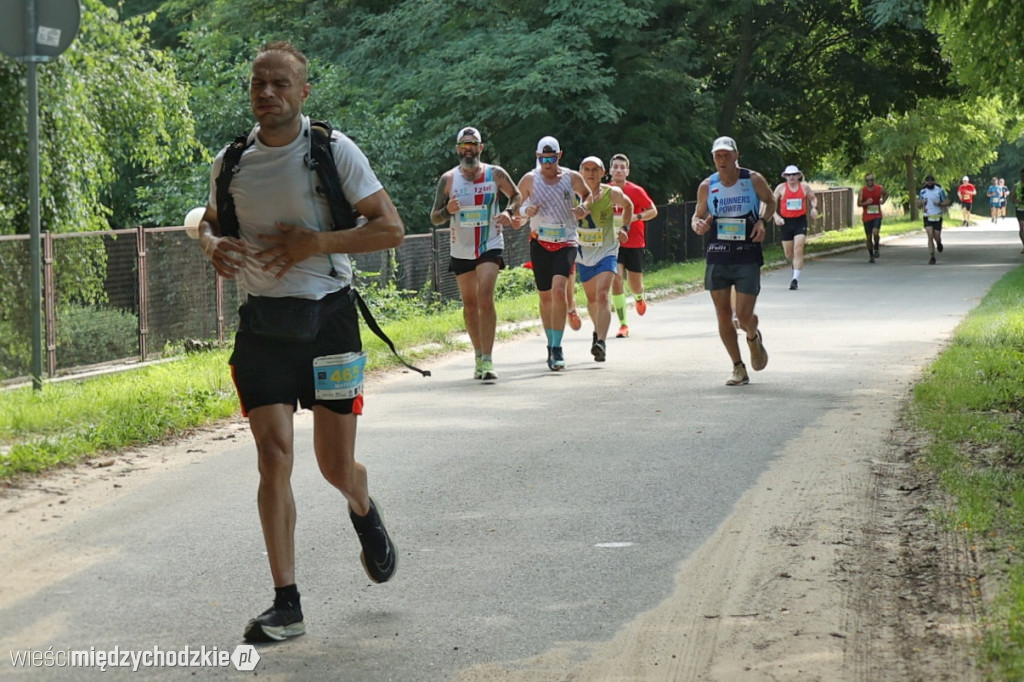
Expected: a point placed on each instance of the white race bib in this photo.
(473, 216)
(338, 377)
(873, 209)
(731, 229)
(590, 236)
(553, 234)
(794, 204)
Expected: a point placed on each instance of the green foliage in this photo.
(940, 137)
(89, 334)
(514, 282)
(110, 109)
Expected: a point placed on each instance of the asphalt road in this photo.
(543, 509)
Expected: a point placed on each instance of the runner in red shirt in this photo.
(871, 198)
(965, 192)
(631, 253)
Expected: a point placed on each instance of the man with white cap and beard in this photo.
(467, 198)
(548, 201)
(731, 205)
(794, 202)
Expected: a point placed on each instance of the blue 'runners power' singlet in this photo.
(734, 211)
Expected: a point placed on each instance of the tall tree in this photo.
(939, 137)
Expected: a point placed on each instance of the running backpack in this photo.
(320, 161)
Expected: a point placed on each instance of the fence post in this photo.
(219, 298)
(140, 241)
(49, 304)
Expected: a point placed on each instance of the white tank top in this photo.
(473, 228)
(554, 222)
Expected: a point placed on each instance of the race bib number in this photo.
(591, 236)
(731, 229)
(794, 204)
(617, 220)
(474, 216)
(338, 377)
(554, 234)
(873, 209)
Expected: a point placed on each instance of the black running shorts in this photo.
(271, 371)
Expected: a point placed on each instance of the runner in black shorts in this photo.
(468, 201)
(731, 207)
(268, 230)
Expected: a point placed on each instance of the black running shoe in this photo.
(793, 285)
(379, 555)
(557, 362)
(938, 245)
(931, 261)
(279, 622)
(598, 350)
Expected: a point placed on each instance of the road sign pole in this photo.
(34, 251)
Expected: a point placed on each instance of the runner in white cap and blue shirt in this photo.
(731, 205)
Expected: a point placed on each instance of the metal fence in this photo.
(127, 295)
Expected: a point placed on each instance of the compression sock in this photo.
(619, 303)
(556, 338)
(288, 593)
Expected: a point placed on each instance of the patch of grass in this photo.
(971, 403)
(74, 419)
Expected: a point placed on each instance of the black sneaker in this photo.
(557, 362)
(793, 285)
(598, 350)
(931, 261)
(279, 622)
(938, 245)
(379, 555)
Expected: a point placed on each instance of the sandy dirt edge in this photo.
(831, 568)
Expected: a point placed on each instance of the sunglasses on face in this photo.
(547, 159)
(468, 145)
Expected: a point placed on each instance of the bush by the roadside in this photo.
(89, 335)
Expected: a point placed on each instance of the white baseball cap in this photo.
(792, 170)
(726, 143)
(592, 159)
(548, 144)
(470, 131)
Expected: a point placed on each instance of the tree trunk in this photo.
(908, 162)
(741, 72)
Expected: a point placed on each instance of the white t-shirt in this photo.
(273, 184)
